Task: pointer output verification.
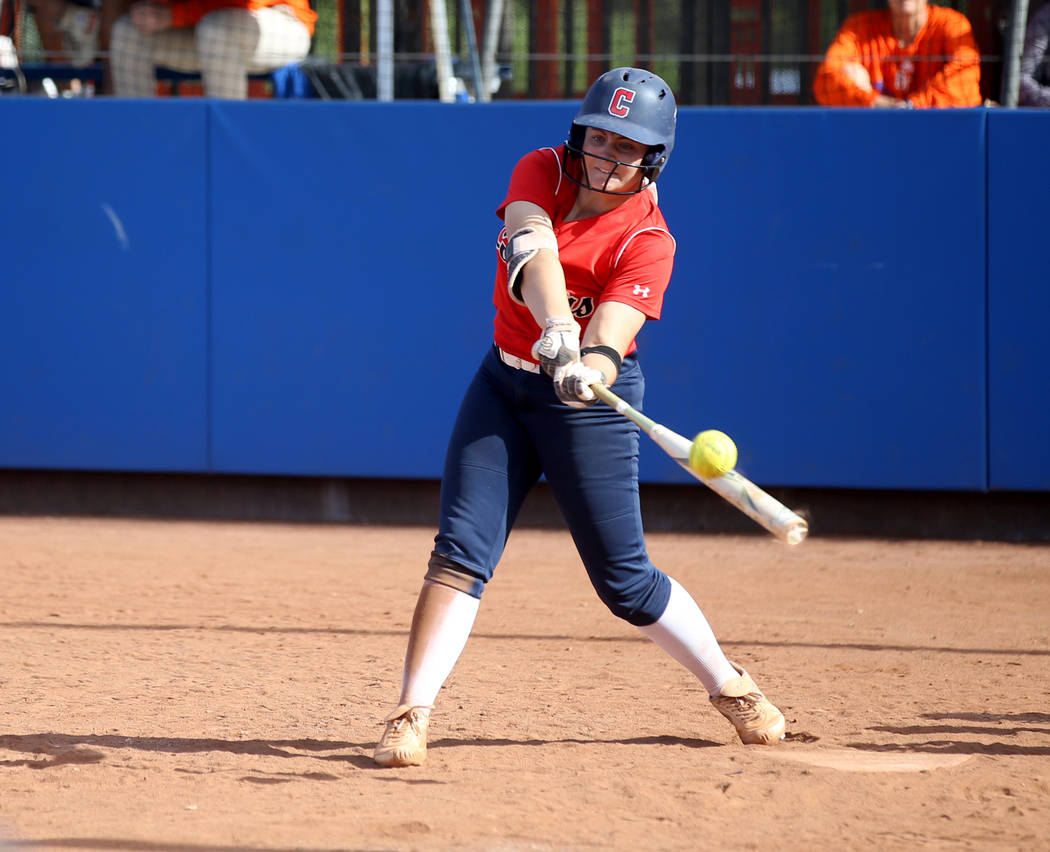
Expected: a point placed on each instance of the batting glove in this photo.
(559, 344)
(572, 384)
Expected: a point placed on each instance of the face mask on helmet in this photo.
(635, 104)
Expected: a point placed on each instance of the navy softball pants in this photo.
(510, 429)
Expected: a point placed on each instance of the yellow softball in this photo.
(712, 453)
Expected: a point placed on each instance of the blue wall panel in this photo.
(1019, 300)
(305, 288)
(103, 286)
(353, 259)
(827, 306)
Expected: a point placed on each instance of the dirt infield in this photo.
(192, 686)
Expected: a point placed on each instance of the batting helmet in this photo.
(634, 103)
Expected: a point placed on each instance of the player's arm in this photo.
(609, 335)
(839, 80)
(633, 294)
(958, 83)
(534, 273)
(535, 279)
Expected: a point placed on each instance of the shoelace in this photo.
(397, 731)
(747, 706)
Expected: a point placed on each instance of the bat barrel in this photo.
(741, 492)
(762, 508)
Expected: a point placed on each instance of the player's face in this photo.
(608, 159)
(906, 7)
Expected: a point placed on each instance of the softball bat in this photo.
(736, 489)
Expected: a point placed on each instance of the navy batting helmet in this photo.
(634, 103)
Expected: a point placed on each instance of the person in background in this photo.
(69, 30)
(911, 54)
(1034, 87)
(225, 40)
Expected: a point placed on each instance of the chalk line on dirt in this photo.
(850, 760)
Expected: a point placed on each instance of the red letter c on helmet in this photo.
(620, 103)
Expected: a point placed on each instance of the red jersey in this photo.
(625, 255)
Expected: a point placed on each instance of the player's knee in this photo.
(227, 33)
(443, 570)
(639, 601)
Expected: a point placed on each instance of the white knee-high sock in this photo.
(683, 632)
(441, 626)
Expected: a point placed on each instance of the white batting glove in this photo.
(572, 384)
(558, 345)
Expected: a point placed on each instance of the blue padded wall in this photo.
(104, 286)
(353, 257)
(827, 305)
(1019, 300)
(305, 288)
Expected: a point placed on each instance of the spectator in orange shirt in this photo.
(223, 39)
(912, 54)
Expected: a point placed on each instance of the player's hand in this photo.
(572, 384)
(886, 102)
(559, 344)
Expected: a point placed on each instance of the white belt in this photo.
(516, 362)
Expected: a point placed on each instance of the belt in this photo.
(516, 362)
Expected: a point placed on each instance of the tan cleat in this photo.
(756, 719)
(404, 742)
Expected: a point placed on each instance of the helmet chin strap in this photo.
(586, 182)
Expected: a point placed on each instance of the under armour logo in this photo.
(620, 104)
(639, 290)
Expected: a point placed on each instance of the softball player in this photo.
(584, 259)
